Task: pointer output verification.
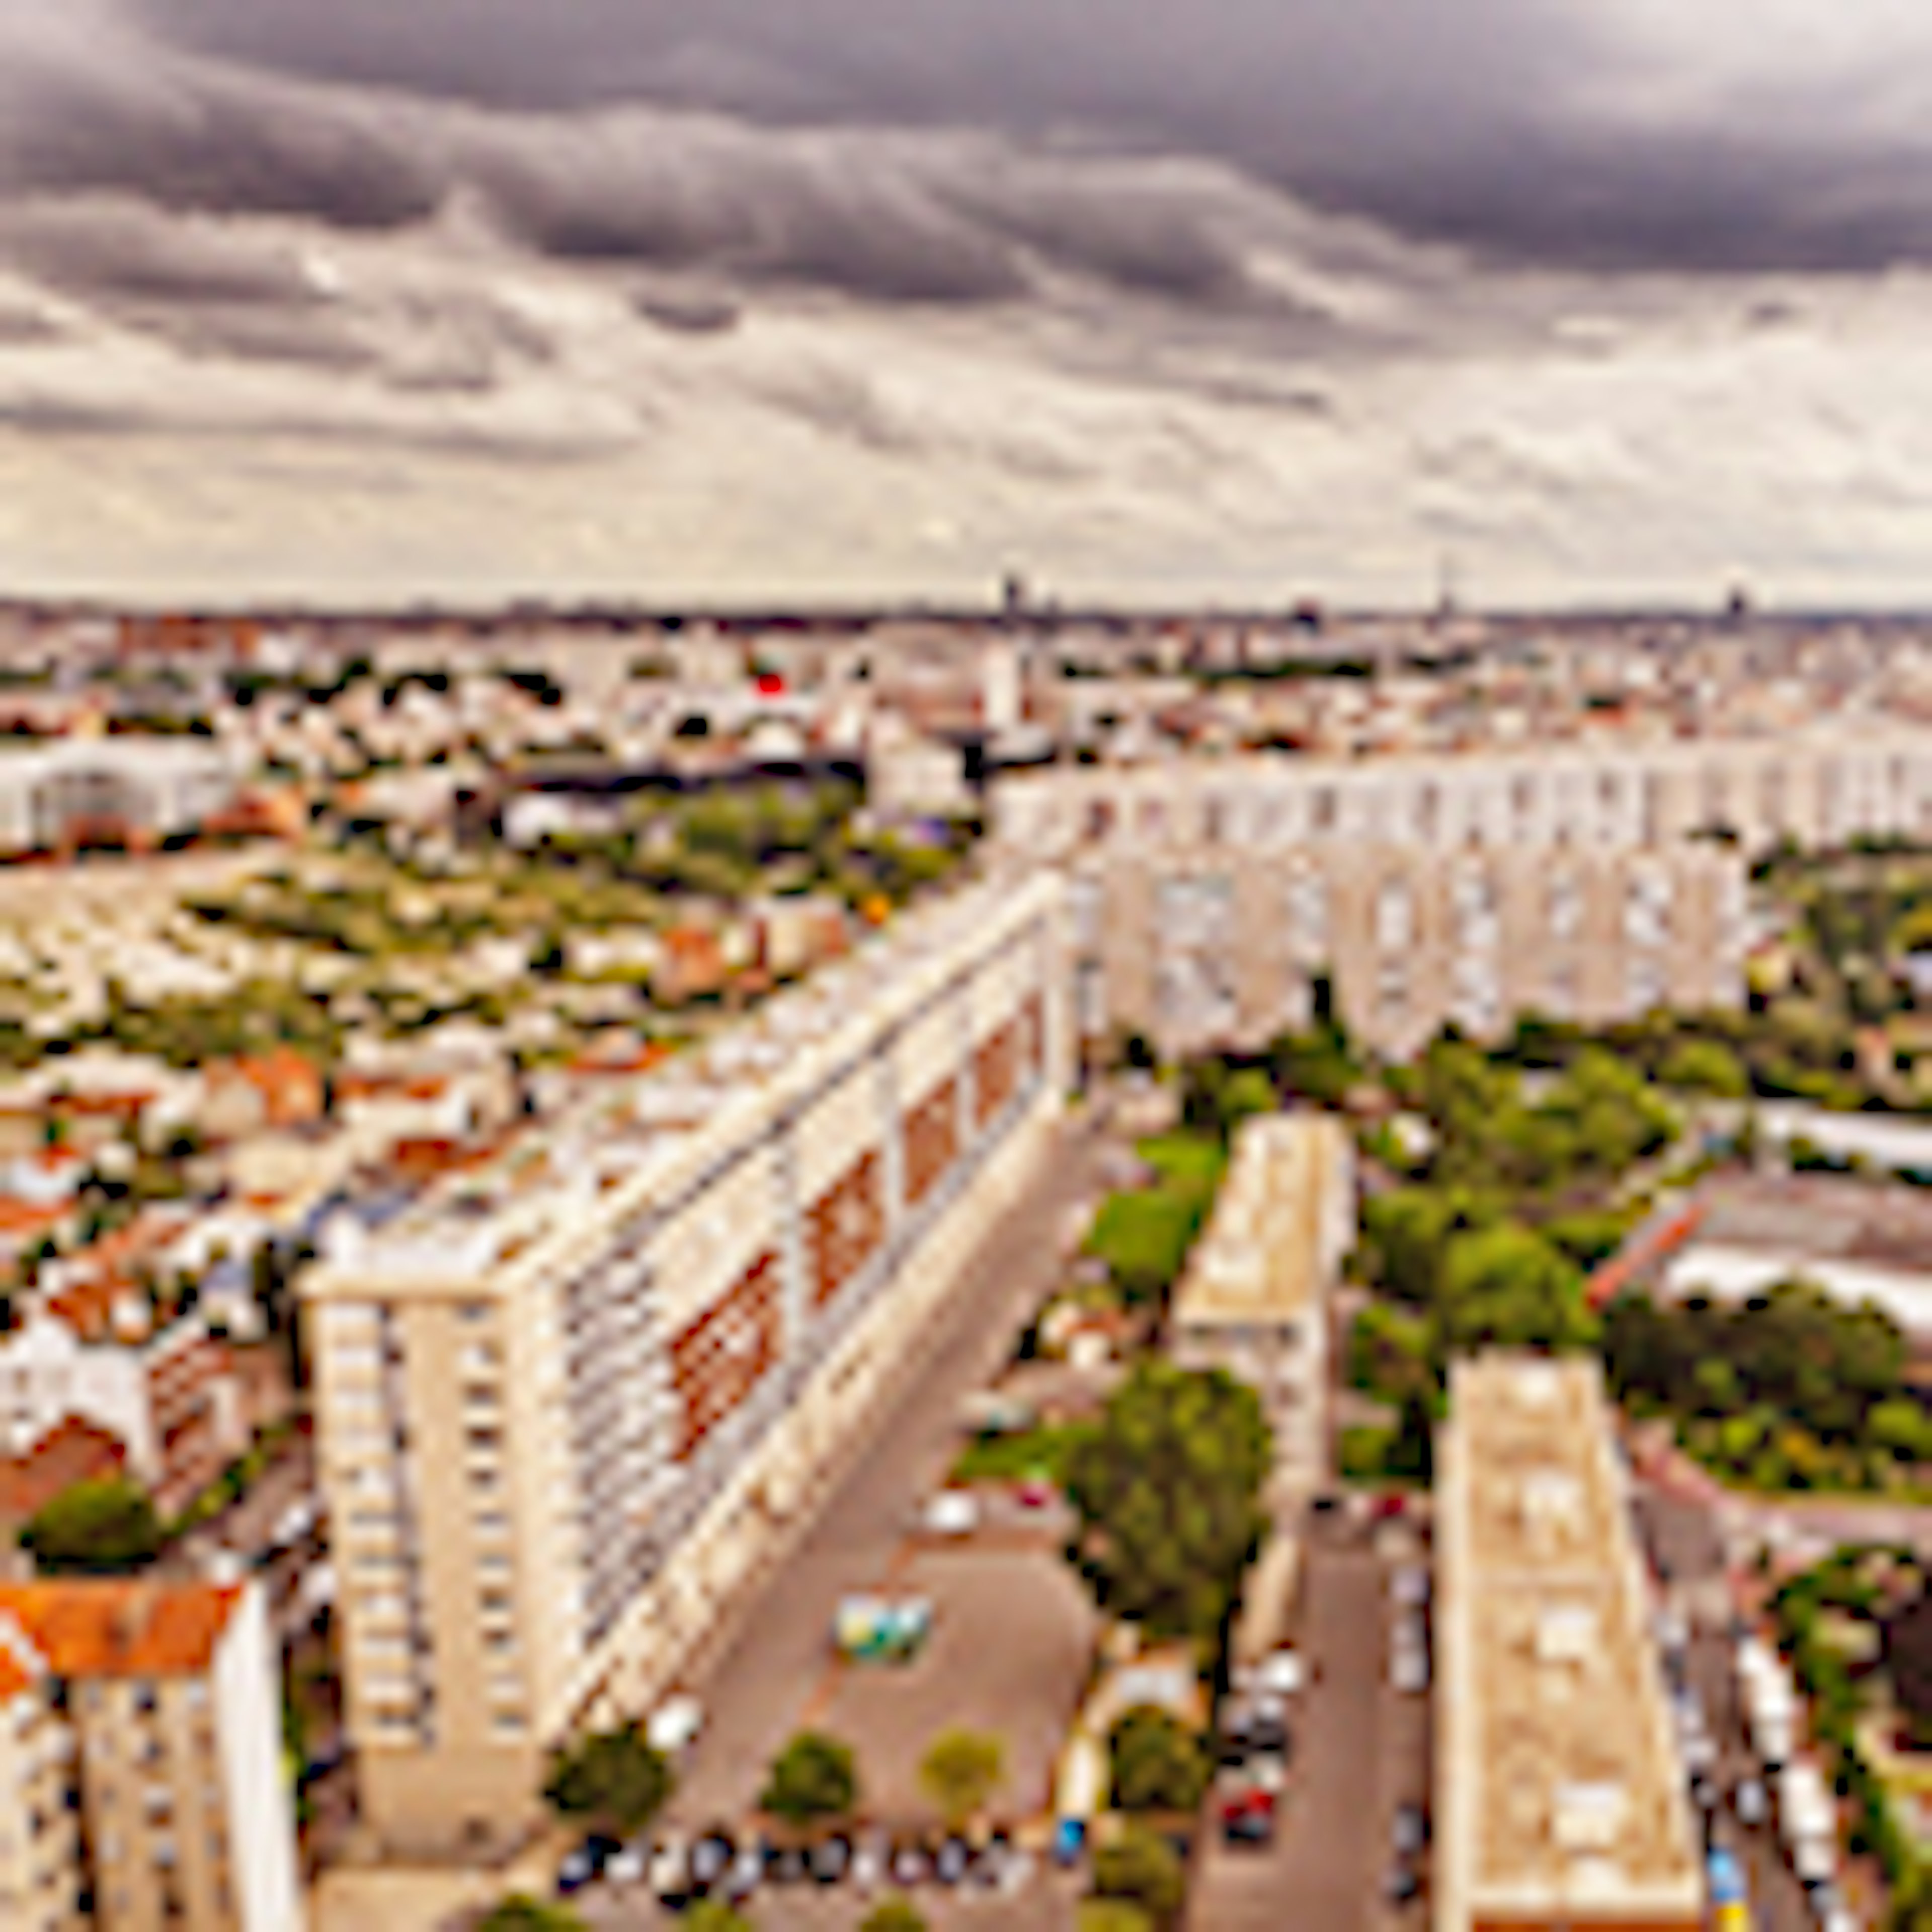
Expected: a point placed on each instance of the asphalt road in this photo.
(1351, 1764)
(772, 1664)
(1681, 1533)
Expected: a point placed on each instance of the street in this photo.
(1360, 1749)
(773, 1666)
(1681, 1534)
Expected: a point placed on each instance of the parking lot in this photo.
(1360, 1748)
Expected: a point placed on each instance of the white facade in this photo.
(47, 1373)
(1255, 1299)
(569, 1406)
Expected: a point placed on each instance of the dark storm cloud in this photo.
(685, 314)
(1464, 122)
(47, 416)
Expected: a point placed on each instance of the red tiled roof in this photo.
(73, 1451)
(139, 1629)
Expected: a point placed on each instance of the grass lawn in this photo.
(1143, 1234)
(1011, 1459)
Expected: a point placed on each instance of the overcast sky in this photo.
(1600, 299)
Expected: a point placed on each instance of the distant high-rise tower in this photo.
(1013, 595)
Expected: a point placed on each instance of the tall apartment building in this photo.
(1820, 787)
(1201, 947)
(141, 1781)
(1561, 1794)
(1255, 1299)
(568, 1405)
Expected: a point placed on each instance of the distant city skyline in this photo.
(754, 303)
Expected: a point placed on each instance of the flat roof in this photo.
(1562, 1791)
(1805, 1217)
(1260, 1257)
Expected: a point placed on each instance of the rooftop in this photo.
(1260, 1256)
(1562, 1785)
(90, 1629)
(633, 1131)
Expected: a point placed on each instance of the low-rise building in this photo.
(173, 1402)
(1740, 1235)
(1560, 1793)
(140, 1761)
(1254, 1298)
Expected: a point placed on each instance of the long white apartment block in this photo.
(570, 1403)
(1254, 1298)
(1201, 948)
(1561, 1797)
(1569, 880)
(1820, 787)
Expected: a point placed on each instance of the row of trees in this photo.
(616, 1781)
(1790, 1390)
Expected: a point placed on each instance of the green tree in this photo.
(1155, 1763)
(896, 1913)
(520, 1912)
(1110, 1914)
(960, 1772)
(1506, 1287)
(1412, 1451)
(613, 1779)
(1705, 1066)
(1901, 1426)
(815, 1777)
(1167, 1491)
(104, 1528)
(1142, 1867)
(713, 1915)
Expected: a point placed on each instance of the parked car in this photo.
(585, 1863)
(951, 1512)
(1409, 1668)
(747, 1871)
(1410, 1830)
(1751, 1801)
(711, 1858)
(952, 1860)
(1401, 1886)
(668, 1874)
(871, 1854)
(628, 1864)
(1408, 1585)
(831, 1859)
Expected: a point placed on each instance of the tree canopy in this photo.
(520, 1912)
(1167, 1491)
(896, 1913)
(1142, 1868)
(960, 1772)
(614, 1778)
(1156, 1763)
(815, 1777)
(106, 1527)
(1508, 1287)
